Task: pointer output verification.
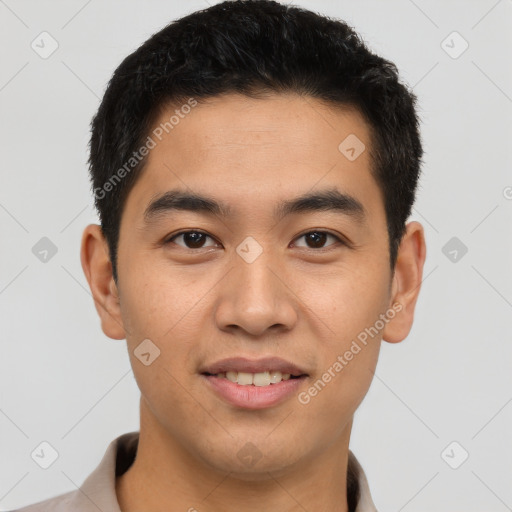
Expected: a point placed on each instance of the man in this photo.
(254, 166)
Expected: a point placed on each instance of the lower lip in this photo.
(254, 397)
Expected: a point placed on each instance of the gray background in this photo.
(64, 382)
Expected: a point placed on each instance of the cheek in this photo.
(160, 313)
(158, 300)
(350, 304)
(348, 299)
(343, 379)
(155, 308)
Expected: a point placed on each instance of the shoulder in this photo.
(59, 503)
(97, 493)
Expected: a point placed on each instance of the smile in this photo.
(257, 379)
(254, 390)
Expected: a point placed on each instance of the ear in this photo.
(94, 255)
(406, 282)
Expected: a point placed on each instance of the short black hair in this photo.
(254, 47)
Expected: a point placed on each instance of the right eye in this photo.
(190, 239)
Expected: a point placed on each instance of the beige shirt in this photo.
(98, 492)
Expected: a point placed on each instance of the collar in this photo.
(98, 490)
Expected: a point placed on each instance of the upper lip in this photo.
(242, 364)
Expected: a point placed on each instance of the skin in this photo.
(302, 303)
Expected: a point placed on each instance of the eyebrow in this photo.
(324, 200)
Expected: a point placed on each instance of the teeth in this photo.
(261, 379)
(275, 377)
(232, 376)
(244, 379)
(258, 379)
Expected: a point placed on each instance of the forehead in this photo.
(241, 149)
(235, 123)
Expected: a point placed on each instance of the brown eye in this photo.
(317, 239)
(191, 239)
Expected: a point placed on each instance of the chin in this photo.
(252, 462)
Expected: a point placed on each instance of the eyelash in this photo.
(338, 239)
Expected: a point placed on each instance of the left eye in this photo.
(317, 239)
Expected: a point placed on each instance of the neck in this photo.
(164, 473)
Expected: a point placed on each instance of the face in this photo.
(255, 279)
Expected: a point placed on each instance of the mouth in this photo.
(254, 384)
(236, 366)
(261, 379)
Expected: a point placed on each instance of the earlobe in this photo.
(97, 268)
(406, 282)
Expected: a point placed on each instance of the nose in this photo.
(254, 297)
